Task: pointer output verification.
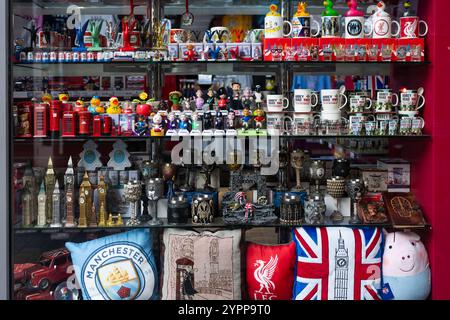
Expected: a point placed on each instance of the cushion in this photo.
(117, 267)
(201, 266)
(337, 263)
(270, 271)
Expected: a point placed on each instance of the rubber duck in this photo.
(95, 106)
(114, 106)
(63, 97)
(301, 10)
(46, 97)
(353, 9)
(329, 11)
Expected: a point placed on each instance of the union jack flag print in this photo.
(338, 263)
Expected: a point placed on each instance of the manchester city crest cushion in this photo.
(201, 266)
(270, 271)
(117, 267)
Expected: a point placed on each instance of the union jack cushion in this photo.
(337, 263)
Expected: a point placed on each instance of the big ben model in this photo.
(56, 207)
(69, 176)
(69, 207)
(28, 177)
(85, 201)
(41, 215)
(49, 188)
(26, 205)
(341, 271)
(102, 190)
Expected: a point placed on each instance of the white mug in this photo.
(276, 123)
(303, 100)
(354, 28)
(331, 116)
(359, 103)
(276, 102)
(386, 96)
(381, 27)
(273, 27)
(332, 99)
(409, 100)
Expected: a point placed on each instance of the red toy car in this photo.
(51, 269)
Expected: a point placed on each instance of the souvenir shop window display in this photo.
(189, 256)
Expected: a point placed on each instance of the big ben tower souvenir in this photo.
(41, 216)
(26, 205)
(49, 187)
(69, 207)
(28, 177)
(85, 201)
(56, 206)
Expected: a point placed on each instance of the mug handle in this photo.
(423, 102)
(426, 29)
(285, 124)
(371, 115)
(398, 28)
(317, 99)
(397, 101)
(318, 27)
(423, 122)
(290, 28)
(345, 103)
(287, 103)
(370, 103)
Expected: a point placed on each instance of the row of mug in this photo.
(355, 125)
(334, 100)
(378, 26)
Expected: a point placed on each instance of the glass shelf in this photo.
(218, 223)
(179, 138)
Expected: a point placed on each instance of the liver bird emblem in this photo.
(264, 272)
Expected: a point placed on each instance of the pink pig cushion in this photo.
(406, 270)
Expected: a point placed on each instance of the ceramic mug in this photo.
(354, 28)
(303, 100)
(332, 100)
(278, 122)
(178, 36)
(255, 36)
(409, 100)
(331, 116)
(276, 102)
(301, 27)
(217, 35)
(273, 27)
(359, 103)
(330, 26)
(385, 100)
(409, 27)
(381, 27)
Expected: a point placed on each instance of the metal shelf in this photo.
(218, 223)
(178, 138)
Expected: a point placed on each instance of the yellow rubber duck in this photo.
(64, 97)
(96, 106)
(114, 106)
(46, 97)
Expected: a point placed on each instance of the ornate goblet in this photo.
(317, 172)
(297, 157)
(168, 171)
(207, 170)
(154, 189)
(341, 168)
(132, 193)
(355, 189)
(336, 189)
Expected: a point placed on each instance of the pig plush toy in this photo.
(405, 267)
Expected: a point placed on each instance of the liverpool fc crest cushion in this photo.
(337, 263)
(201, 266)
(118, 267)
(270, 271)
